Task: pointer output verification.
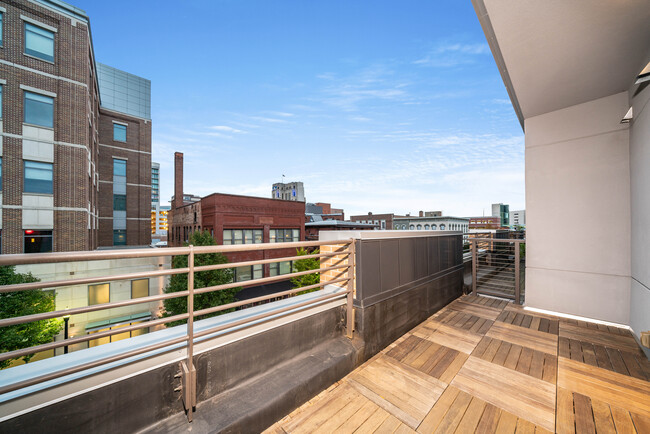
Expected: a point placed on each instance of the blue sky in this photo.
(376, 106)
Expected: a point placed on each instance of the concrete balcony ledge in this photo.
(30, 398)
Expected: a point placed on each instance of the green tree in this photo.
(304, 265)
(202, 279)
(20, 303)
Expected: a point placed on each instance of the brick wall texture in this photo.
(79, 128)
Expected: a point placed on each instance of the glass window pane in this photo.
(248, 236)
(38, 177)
(243, 273)
(39, 42)
(296, 234)
(37, 241)
(119, 237)
(237, 235)
(274, 268)
(258, 234)
(258, 271)
(38, 109)
(139, 288)
(227, 236)
(119, 167)
(287, 235)
(272, 235)
(1, 87)
(98, 294)
(285, 267)
(119, 202)
(119, 132)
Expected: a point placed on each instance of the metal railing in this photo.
(188, 388)
(498, 267)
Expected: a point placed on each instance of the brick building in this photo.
(485, 222)
(234, 219)
(61, 135)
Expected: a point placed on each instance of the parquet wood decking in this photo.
(484, 365)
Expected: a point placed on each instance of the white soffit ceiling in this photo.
(559, 53)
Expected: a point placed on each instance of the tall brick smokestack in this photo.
(178, 179)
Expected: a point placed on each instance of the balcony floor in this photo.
(485, 365)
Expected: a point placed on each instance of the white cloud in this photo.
(225, 129)
(447, 54)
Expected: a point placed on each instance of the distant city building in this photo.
(290, 191)
(234, 219)
(444, 223)
(430, 213)
(382, 221)
(322, 211)
(489, 223)
(155, 184)
(503, 212)
(518, 217)
(76, 155)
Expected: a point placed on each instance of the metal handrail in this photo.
(345, 253)
(498, 262)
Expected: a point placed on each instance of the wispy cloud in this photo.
(269, 120)
(225, 128)
(446, 54)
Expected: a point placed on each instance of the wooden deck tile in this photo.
(490, 313)
(520, 394)
(603, 385)
(451, 337)
(536, 340)
(403, 391)
(595, 336)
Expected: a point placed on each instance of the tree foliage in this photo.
(178, 282)
(20, 303)
(304, 265)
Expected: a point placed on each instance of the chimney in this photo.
(421, 213)
(178, 180)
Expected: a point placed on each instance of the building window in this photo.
(119, 132)
(434, 227)
(0, 173)
(38, 177)
(278, 268)
(38, 109)
(117, 337)
(119, 167)
(2, 17)
(442, 227)
(1, 87)
(119, 237)
(139, 288)
(98, 294)
(242, 236)
(419, 227)
(119, 202)
(39, 42)
(284, 235)
(426, 227)
(38, 241)
(412, 227)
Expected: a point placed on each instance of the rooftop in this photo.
(486, 365)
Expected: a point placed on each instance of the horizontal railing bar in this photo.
(267, 314)
(98, 255)
(495, 240)
(231, 248)
(503, 289)
(265, 297)
(89, 337)
(263, 280)
(87, 280)
(267, 261)
(77, 310)
(89, 365)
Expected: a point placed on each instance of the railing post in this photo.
(474, 247)
(188, 372)
(350, 298)
(517, 273)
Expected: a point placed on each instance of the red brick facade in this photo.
(78, 159)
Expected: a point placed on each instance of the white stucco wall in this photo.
(640, 207)
(578, 170)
